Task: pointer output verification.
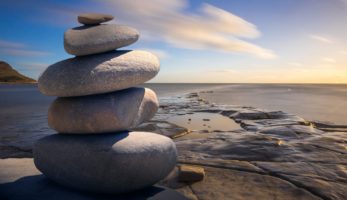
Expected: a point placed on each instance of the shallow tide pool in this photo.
(205, 121)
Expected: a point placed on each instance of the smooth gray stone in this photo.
(109, 163)
(99, 73)
(110, 112)
(87, 40)
(93, 18)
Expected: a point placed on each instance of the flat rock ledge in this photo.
(275, 155)
(21, 180)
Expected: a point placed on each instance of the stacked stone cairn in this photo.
(96, 106)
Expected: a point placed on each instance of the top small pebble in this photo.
(93, 18)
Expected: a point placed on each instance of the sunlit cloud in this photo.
(321, 39)
(225, 71)
(296, 75)
(210, 28)
(230, 71)
(158, 52)
(11, 48)
(328, 60)
(295, 64)
(206, 76)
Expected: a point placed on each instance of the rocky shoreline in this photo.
(274, 155)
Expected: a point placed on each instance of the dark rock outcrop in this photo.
(10, 75)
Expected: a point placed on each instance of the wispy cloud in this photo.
(20, 52)
(210, 28)
(295, 64)
(328, 60)
(343, 1)
(33, 66)
(321, 39)
(11, 48)
(10, 44)
(343, 52)
(158, 52)
(229, 71)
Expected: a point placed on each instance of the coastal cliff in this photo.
(10, 75)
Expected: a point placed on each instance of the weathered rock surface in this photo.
(287, 156)
(275, 156)
(109, 163)
(87, 40)
(99, 73)
(19, 179)
(190, 173)
(12, 169)
(110, 112)
(223, 184)
(93, 18)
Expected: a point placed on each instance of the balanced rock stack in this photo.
(97, 103)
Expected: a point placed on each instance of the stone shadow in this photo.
(39, 187)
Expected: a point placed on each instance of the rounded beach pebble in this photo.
(110, 112)
(87, 40)
(99, 73)
(109, 163)
(93, 18)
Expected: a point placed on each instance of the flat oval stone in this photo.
(110, 112)
(93, 18)
(86, 40)
(99, 73)
(108, 163)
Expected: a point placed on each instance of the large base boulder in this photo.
(109, 163)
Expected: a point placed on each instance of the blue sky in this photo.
(300, 41)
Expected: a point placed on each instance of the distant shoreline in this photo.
(17, 83)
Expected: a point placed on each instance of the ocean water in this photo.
(25, 99)
(322, 102)
(23, 109)
(205, 121)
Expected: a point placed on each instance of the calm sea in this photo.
(23, 110)
(322, 102)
